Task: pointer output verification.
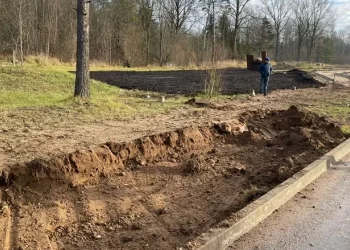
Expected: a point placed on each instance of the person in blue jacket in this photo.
(265, 72)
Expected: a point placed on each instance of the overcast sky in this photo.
(343, 7)
(343, 12)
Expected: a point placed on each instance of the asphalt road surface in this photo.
(317, 218)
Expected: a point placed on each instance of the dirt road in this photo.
(317, 218)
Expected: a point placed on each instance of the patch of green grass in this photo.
(29, 87)
(53, 86)
(346, 129)
(335, 110)
(43, 87)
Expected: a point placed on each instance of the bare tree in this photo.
(20, 28)
(212, 7)
(279, 11)
(321, 16)
(18, 7)
(177, 13)
(141, 32)
(302, 20)
(161, 31)
(51, 25)
(173, 15)
(146, 10)
(82, 85)
(237, 8)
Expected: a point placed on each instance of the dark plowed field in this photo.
(234, 81)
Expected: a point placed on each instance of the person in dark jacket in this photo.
(265, 71)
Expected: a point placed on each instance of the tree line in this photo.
(179, 32)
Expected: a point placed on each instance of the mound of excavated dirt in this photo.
(160, 191)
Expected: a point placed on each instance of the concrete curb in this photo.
(260, 209)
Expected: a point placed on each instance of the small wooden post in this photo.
(250, 59)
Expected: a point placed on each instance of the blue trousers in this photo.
(264, 84)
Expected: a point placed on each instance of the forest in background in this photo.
(177, 32)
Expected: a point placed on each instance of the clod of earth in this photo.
(223, 127)
(163, 190)
(195, 164)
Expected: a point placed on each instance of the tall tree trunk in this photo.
(277, 46)
(311, 47)
(110, 49)
(48, 43)
(214, 36)
(309, 52)
(299, 50)
(235, 31)
(161, 45)
(82, 85)
(204, 51)
(148, 45)
(20, 23)
(234, 51)
(14, 57)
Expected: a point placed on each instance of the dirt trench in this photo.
(159, 191)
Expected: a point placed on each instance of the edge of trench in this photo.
(257, 211)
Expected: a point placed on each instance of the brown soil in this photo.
(189, 82)
(29, 133)
(159, 191)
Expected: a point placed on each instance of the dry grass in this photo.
(44, 61)
(308, 66)
(212, 83)
(254, 193)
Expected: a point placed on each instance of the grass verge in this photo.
(338, 111)
(51, 88)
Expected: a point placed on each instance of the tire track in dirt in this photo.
(13, 229)
(6, 232)
(9, 221)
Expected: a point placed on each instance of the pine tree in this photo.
(266, 36)
(225, 33)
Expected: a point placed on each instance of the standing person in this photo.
(265, 71)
